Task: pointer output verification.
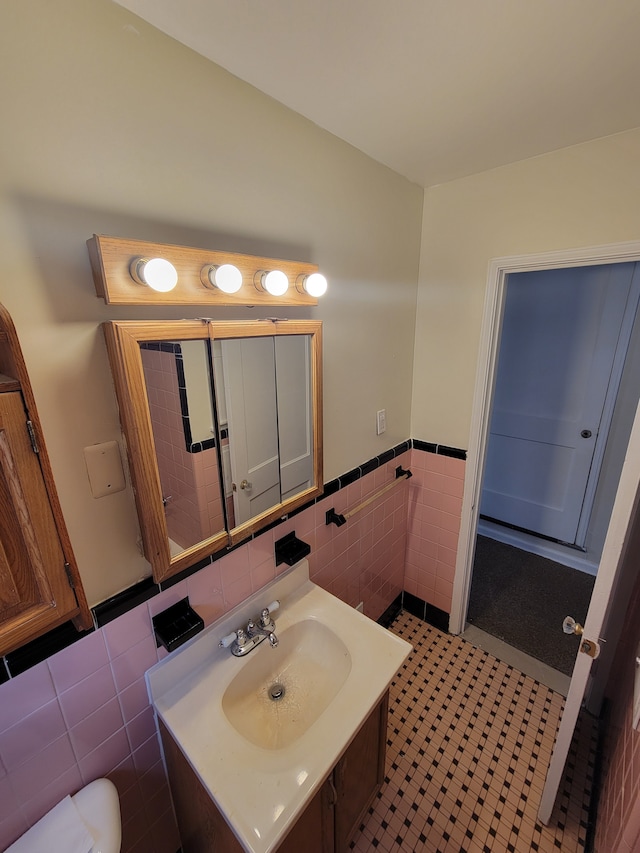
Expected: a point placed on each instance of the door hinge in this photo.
(32, 437)
(67, 569)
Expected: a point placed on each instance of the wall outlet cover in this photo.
(104, 467)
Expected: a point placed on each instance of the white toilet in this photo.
(88, 822)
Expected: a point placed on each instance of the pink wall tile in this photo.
(205, 593)
(96, 728)
(236, 591)
(141, 728)
(105, 758)
(234, 566)
(131, 666)
(146, 757)
(46, 798)
(43, 769)
(25, 694)
(13, 822)
(126, 631)
(164, 600)
(31, 735)
(87, 696)
(76, 662)
(133, 700)
(262, 575)
(433, 526)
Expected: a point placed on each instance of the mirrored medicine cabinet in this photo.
(223, 425)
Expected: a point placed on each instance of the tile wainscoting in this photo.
(83, 712)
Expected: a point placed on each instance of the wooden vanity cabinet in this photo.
(359, 774)
(330, 819)
(40, 586)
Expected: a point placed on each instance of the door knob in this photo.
(245, 484)
(586, 433)
(570, 626)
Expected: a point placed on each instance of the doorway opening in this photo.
(565, 393)
(586, 683)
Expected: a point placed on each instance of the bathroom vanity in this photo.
(283, 748)
(327, 823)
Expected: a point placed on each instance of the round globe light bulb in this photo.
(315, 284)
(276, 283)
(159, 274)
(227, 278)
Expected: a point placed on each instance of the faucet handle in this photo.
(225, 642)
(265, 615)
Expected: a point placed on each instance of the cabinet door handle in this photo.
(333, 799)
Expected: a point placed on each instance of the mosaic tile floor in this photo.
(469, 742)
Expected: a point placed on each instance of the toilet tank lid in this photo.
(61, 828)
(99, 807)
(88, 822)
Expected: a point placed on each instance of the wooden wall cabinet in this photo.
(40, 586)
(329, 821)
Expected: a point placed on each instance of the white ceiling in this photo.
(434, 89)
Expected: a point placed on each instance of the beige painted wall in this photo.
(110, 127)
(587, 195)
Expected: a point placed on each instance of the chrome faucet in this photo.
(266, 627)
(244, 640)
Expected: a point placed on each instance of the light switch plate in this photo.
(381, 421)
(104, 467)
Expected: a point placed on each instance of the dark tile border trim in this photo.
(391, 612)
(120, 604)
(425, 611)
(43, 647)
(65, 635)
(440, 449)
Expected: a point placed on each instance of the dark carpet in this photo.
(522, 598)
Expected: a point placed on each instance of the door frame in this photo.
(499, 269)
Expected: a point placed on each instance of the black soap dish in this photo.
(177, 624)
(291, 550)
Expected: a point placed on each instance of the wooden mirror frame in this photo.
(123, 339)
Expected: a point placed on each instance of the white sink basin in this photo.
(281, 692)
(262, 760)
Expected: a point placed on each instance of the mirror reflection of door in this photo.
(265, 410)
(267, 406)
(295, 413)
(179, 391)
(249, 375)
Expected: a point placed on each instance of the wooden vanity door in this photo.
(35, 592)
(359, 774)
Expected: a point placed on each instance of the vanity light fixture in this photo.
(183, 275)
(274, 282)
(157, 273)
(225, 277)
(314, 284)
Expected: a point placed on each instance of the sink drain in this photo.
(276, 691)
